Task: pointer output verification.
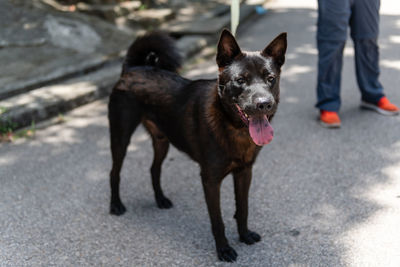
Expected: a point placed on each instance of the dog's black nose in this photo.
(264, 104)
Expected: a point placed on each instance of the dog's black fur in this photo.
(206, 119)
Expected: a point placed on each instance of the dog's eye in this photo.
(240, 81)
(271, 79)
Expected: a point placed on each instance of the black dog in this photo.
(221, 124)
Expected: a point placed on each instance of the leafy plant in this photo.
(7, 126)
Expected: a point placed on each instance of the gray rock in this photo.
(72, 34)
(189, 45)
(206, 24)
(40, 46)
(151, 17)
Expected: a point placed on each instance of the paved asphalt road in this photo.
(319, 197)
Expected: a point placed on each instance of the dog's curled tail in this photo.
(153, 49)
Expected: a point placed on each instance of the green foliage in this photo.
(7, 126)
(8, 133)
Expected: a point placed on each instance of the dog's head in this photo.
(248, 83)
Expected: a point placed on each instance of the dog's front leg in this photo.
(211, 188)
(242, 180)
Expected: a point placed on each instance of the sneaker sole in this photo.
(330, 125)
(365, 105)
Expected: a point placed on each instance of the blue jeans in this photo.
(334, 17)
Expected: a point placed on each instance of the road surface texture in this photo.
(319, 197)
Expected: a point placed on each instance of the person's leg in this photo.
(333, 19)
(330, 54)
(364, 25)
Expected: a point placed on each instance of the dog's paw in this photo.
(227, 253)
(117, 208)
(164, 203)
(250, 238)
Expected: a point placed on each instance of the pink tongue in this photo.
(260, 130)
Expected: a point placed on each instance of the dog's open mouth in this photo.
(243, 115)
(260, 130)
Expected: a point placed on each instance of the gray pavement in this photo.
(319, 197)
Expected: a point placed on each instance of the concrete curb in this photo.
(49, 101)
(58, 74)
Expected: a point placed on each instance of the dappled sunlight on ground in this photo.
(291, 99)
(394, 64)
(138, 138)
(48, 94)
(208, 70)
(292, 4)
(375, 241)
(294, 71)
(9, 160)
(395, 39)
(390, 7)
(59, 138)
(306, 49)
(68, 132)
(348, 50)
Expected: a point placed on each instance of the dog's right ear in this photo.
(277, 49)
(228, 49)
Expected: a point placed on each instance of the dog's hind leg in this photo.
(124, 116)
(160, 146)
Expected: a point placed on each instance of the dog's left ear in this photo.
(228, 49)
(277, 49)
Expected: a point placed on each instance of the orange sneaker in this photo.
(383, 107)
(329, 119)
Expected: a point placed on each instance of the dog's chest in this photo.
(242, 150)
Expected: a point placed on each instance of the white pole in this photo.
(235, 13)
